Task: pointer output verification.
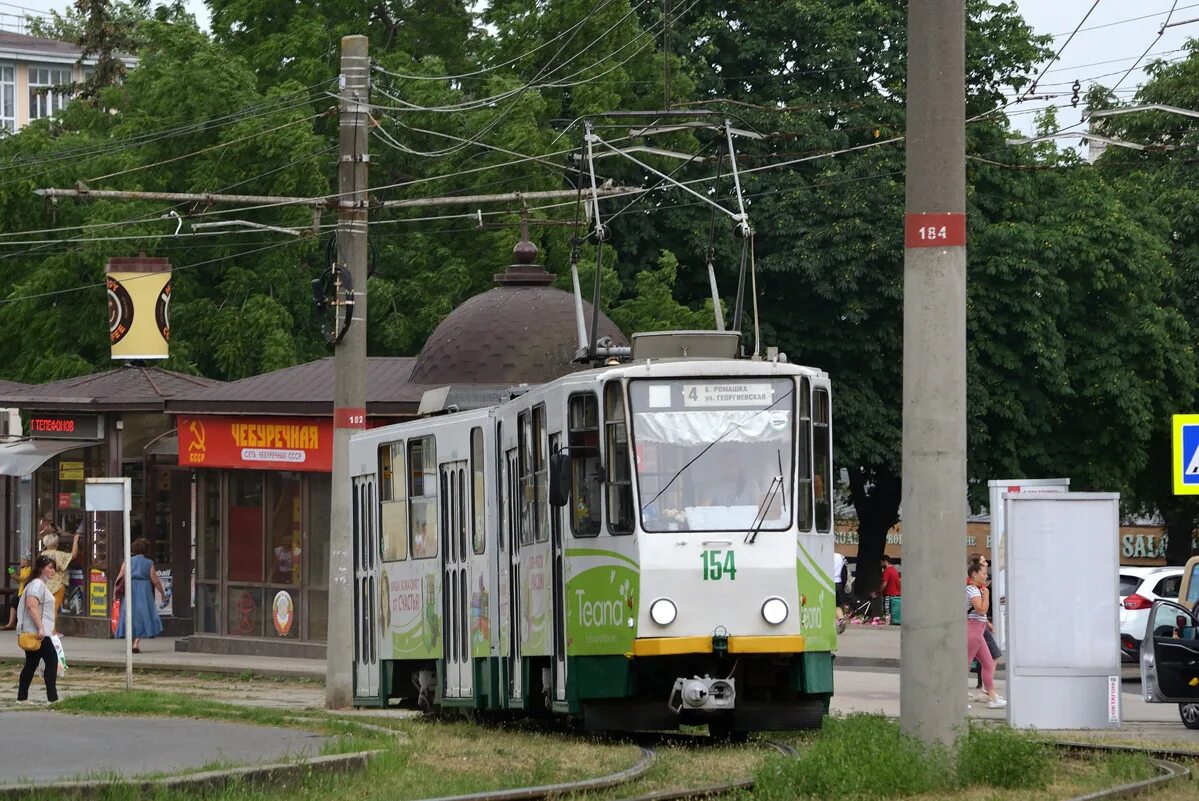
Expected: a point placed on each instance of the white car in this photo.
(1139, 588)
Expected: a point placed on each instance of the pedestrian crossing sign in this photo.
(1186, 454)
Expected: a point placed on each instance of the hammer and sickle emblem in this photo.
(197, 431)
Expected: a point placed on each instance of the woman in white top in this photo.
(36, 616)
(978, 600)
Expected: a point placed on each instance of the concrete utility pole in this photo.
(932, 700)
(349, 390)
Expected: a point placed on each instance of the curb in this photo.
(182, 667)
(276, 775)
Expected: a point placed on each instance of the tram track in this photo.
(1162, 758)
(1166, 760)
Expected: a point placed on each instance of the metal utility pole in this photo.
(349, 370)
(932, 701)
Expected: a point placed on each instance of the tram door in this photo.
(455, 596)
(558, 590)
(512, 475)
(366, 588)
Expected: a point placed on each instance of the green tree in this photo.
(1160, 183)
(241, 303)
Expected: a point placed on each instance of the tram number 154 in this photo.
(717, 567)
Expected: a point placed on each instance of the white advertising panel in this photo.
(996, 488)
(1062, 609)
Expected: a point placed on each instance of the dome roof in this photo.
(522, 331)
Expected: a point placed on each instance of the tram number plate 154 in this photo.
(719, 565)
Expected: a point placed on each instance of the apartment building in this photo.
(30, 69)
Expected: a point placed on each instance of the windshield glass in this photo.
(714, 454)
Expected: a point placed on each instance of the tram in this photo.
(635, 546)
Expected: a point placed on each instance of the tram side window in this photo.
(528, 495)
(823, 462)
(541, 482)
(393, 502)
(804, 444)
(620, 483)
(422, 496)
(477, 477)
(584, 443)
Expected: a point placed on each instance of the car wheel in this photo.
(1189, 714)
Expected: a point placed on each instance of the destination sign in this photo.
(728, 393)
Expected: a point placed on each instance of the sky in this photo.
(1114, 35)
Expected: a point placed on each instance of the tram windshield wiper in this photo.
(776, 484)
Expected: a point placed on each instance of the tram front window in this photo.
(714, 454)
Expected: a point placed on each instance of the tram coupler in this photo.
(706, 694)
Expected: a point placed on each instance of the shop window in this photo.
(478, 522)
(823, 462)
(393, 506)
(616, 439)
(804, 444)
(245, 611)
(208, 609)
(244, 557)
(422, 497)
(284, 522)
(209, 545)
(319, 487)
(318, 615)
(583, 440)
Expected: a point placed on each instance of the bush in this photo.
(856, 757)
(1000, 757)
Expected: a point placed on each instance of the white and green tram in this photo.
(635, 546)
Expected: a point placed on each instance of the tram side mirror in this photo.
(560, 479)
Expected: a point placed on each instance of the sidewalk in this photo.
(160, 654)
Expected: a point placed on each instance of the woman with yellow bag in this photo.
(35, 624)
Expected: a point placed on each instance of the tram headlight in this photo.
(774, 611)
(663, 611)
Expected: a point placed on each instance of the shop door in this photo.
(366, 588)
(183, 543)
(455, 581)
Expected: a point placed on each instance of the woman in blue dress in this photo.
(143, 592)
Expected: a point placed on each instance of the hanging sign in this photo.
(139, 307)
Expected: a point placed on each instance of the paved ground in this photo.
(160, 653)
(41, 745)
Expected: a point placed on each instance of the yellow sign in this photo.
(98, 594)
(1185, 459)
(70, 471)
(139, 304)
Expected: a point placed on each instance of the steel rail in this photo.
(548, 790)
(1170, 771)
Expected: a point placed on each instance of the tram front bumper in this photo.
(675, 646)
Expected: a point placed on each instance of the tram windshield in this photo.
(714, 454)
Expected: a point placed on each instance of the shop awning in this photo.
(24, 456)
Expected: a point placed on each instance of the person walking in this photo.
(36, 616)
(144, 590)
(978, 601)
(62, 560)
